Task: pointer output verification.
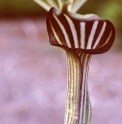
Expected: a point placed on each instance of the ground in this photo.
(33, 77)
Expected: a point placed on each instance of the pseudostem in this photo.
(78, 108)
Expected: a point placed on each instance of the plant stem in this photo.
(78, 108)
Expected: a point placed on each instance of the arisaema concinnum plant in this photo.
(81, 36)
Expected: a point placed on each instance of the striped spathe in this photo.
(90, 36)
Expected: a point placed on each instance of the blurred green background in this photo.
(108, 9)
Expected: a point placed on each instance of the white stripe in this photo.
(100, 35)
(56, 36)
(85, 88)
(75, 93)
(90, 40)
(72, 87)
(64, 31)
(82, 93)
(70, 118)
(73, 30)
(82, 35)
(89, 110)
(107, 40)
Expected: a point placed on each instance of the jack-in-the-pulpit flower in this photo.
(81, 36)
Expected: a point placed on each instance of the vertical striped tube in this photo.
(78, 109)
